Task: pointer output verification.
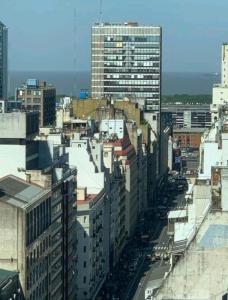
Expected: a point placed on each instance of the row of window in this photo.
(137, 39)
(36, 272)
(112, 82)
(133, 76)
(131, 90)
(29, 92)
(38, 220)
(127, 64)
(38, 252)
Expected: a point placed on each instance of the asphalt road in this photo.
(159, 244)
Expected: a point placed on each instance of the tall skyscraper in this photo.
(126, 62)
(3, 61)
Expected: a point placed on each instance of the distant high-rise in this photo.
(3, 61)
(224, 65)
(126, 62)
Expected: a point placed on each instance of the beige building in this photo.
(25, 234)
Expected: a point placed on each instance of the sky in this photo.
(54, 35)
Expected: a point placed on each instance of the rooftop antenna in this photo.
(74, 92)
(101, 11)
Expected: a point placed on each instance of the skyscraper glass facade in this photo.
(126, 62)
(3, 61)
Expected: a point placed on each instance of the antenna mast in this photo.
(101, 11)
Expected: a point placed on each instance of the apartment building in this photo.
(93, 216)
(38, 95)
(116, 134)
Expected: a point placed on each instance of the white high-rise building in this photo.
(126, 62)
(224, 66)
(220, 91)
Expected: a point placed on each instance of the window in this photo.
(105, 154)
(154, 118)
(225, 297)
(84, 249)
(84, 264)
(84, 279)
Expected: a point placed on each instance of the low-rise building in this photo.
(188, 137)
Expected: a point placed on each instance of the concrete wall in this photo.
(113, 127)
(12, 157)
(12, 245)
(211, 157)
(224, 192)
(220, 94)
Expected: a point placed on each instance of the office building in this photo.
(191, 116)
(126, 62)
(41, 162)
(26, 234)
(37, 95)
(3, 61)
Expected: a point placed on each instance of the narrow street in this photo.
(143, 261)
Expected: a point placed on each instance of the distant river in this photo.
(70, 83)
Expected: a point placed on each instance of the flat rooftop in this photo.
(125, 24)
(189, 130)
(175, 214)
(18, 192)
(5, 275)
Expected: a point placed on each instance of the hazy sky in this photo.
(55, 34)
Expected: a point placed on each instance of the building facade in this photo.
(191, 116)
(43, 162)
(126, 62)
(3, 61)
(93, 216)
(26, 235)
(188, 137)
(37, 95)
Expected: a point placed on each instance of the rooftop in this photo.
(125, 24)
(175, 214)
(18, 192)
(189, 130)
(88, 199)
(202, 272)
(6, 274)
